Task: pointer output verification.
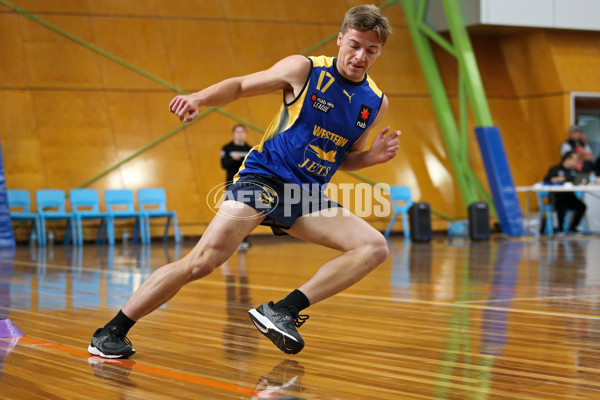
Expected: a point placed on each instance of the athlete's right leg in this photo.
(233, 222)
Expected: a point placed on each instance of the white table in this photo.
(591, 199)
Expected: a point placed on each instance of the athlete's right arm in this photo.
(288, 74)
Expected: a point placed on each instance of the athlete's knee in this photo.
(375, 249)
(379, 249)
(199, 264)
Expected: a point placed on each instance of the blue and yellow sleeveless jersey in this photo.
(307, 140)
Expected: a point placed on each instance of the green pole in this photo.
(467, 63)
(440, 100)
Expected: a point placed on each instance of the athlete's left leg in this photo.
(363, 248)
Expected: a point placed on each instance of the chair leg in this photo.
(71, 230)
(176, 229)
(167, 225)
(100, 235)
(38, 228)
(390, 225)
(549, 230)
(74, 233)
(110, 230)
(145, 229)
(79, 230)
(42, 232)
(147, 234)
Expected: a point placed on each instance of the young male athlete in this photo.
(329, 107)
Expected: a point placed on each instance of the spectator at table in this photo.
(562, 173)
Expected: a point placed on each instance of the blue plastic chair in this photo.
(120, 205)
(19, 204)
(401, 202)
(546, 209)
(51, 206)
(153, 203)
(85, 204)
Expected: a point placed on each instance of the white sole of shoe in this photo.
(94, 351)
(285, 342)
(266, 322)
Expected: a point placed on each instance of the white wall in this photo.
(559, 14)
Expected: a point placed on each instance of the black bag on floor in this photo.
(419, 218)
(479, 221)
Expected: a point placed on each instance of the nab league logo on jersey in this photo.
(363, 117)
(321, 104)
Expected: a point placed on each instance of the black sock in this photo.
(122, 321)
(296, 299)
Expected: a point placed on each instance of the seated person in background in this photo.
(562, 201)
(577, 142)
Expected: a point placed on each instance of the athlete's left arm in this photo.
(382, 149)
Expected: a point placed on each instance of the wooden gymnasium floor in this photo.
(494, 320)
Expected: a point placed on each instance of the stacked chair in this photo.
(85, 205)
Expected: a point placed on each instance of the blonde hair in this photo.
(367, 17)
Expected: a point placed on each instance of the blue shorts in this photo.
(281, 203)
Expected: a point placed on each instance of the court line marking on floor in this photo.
(380, 298)
(35, 343)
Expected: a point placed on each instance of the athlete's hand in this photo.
(185, 107)
(384, 148)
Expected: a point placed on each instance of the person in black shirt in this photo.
(234, 152)
(563, 201)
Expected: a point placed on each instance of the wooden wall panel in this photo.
(398, 70)
(199, 53)
(190, 9)
(576, 56)
(248, 44)
(13, 73)
(138, 41)
(74, 134)
(57, 6)
(125, 8)
(54, 61)
(21, 148)
(530, 64)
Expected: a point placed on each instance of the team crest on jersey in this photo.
(364, 115)
(321, 104)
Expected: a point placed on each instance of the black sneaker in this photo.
(110, 342)
(279, 325)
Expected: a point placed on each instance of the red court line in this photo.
(148, 368)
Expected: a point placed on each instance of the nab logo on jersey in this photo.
(321, 104)
(363, 117)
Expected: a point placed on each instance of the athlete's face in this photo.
(358, 52)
